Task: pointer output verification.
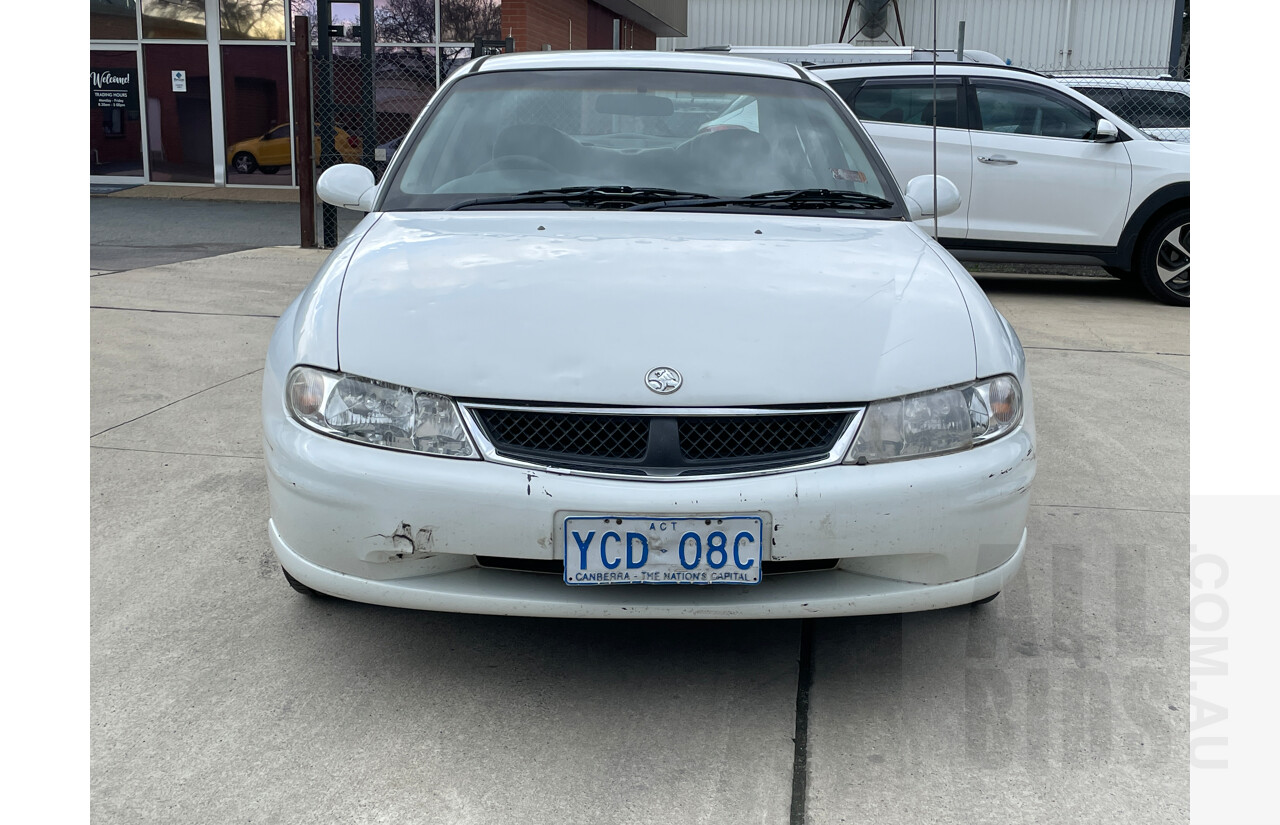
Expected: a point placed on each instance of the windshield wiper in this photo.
(784, 198)
(616, 197)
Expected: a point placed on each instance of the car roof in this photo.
(670, 61)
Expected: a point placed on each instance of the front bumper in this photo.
(836, 592)
(404, 530)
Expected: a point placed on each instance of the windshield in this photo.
(716, 135)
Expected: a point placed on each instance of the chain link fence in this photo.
(1150, 98)
(363, 106)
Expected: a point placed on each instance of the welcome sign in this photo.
(112, 88)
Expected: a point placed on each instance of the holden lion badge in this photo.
(663, 380)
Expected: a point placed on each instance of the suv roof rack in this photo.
(952, 62)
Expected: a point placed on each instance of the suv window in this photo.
(1023, 110)
(905, 102)
(1154, 109)
(1109, 97)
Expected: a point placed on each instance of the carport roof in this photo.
(665, 18)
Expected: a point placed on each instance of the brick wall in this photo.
(535, 22)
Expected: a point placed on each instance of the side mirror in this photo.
(1106, 132)
(348, 185)
(919, 197)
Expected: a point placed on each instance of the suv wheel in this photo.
(1164, 261)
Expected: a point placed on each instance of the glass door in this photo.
(179, 112)
(115, 116)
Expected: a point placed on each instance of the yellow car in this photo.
(271, 152)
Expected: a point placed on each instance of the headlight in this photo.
(942, 421)
(374, 412)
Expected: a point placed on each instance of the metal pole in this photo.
(616, 33)
(1175, 39)
(1066, 37)
(302, 130)
(960, 44)
(369, 117)
(325, 132)
(213, 33)
(935, 120)
(844, 27)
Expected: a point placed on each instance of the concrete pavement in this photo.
(1065, 700)
(219, 695)
(154, 225)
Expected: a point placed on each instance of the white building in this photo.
(1048, 35)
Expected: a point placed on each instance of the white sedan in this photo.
(585, 358)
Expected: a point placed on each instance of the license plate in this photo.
(663, 550)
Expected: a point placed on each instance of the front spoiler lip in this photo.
(788, 596)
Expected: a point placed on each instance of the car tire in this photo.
(1164, 260)
(244, 163)
(268, 170)
(300, 587)
(988, 599)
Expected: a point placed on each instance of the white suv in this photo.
(1046, 175)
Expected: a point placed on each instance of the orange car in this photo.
(271, 152)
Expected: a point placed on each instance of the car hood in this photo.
(576, 307)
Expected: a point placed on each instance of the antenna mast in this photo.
(935, 120)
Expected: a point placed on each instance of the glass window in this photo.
(462, 21)
(346, 14)
(115, 124)
(306, 8)
(1155, 109)
(1022, 110)
(1108, 98)
(179, 118)
(113, 20)
(910, 103)
(252, 19)
(406, 21)
(255, 103)
(173, 19)
(718, 134)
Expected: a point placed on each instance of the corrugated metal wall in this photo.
(1139, 30)
(1050, 34)
(1038, 34)
(759, 23)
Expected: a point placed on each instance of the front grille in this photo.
(661, 445)
(623, 437)
(719, 437)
